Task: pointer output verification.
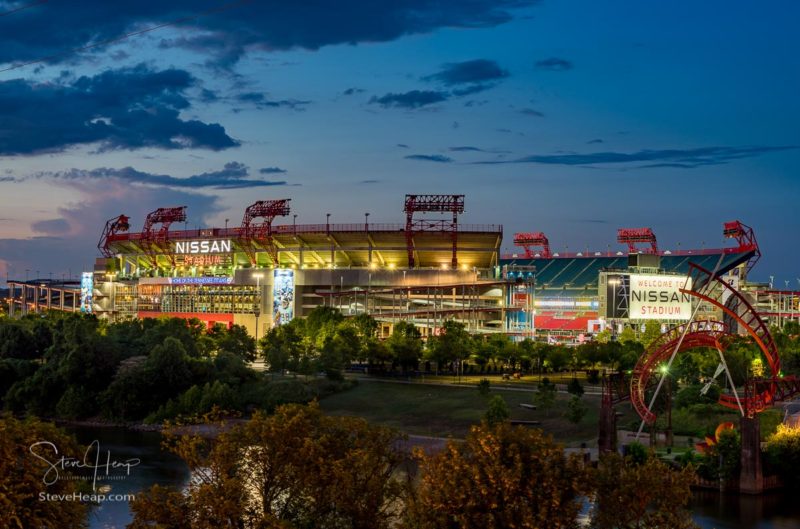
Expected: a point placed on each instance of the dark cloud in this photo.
(412, 99)
(226, 34)
(353, 91)
(472, 89)
(683, 158)
(233, 176)
(596, 140)
(469, 148)
(554, 64)
(51, 226)
(439, 158)
(466, 148)
(476, 71)
(369, 182)
(531, 112)
(403, 146)
(271, 170)
(7, 179)
(261, 101)
(129, 108)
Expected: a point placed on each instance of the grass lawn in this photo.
(441, 411)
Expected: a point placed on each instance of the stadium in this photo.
(428, 269)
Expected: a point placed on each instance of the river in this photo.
(711, 510)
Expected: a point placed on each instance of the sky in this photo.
(571, 117)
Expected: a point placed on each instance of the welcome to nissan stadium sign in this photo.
(658, 297)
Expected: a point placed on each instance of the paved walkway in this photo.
(588, 390)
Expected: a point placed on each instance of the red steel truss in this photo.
(432, 204)
(113, 227)
(759, 393)
(746, 238)
(533, 240)
(261, 230)
(156, 242)
(632, 236)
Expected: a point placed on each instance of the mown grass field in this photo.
(442, 411)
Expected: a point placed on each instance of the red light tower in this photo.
(632, 236)
(113, 226)
(535, 240)
(155, 242)
(746, 238)
(432, 204)
(253, 231)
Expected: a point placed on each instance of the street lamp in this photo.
(366, 221)
(614, 283)
(664, 369)
(327, 223)
(257, 309)
(294, 223)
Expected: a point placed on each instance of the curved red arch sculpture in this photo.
(708, 287)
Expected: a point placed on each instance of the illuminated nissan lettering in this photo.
(201, 247)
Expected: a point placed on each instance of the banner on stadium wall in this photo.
(282, 296)
(658, 297)
(87, 286)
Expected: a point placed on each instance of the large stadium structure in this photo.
(426, 270)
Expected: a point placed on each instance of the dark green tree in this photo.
(405, 344)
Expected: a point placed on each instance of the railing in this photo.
(235, 232)
(588, 254)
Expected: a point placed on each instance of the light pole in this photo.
(327, 223)
(294, 223)
(257, 308)
(226, 226)
(614, 283)
(366, 222)
(664, 368)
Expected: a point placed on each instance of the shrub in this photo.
(484, 387)
(783, 453)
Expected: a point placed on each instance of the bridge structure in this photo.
(642, 385)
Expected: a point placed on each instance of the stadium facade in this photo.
(429, 269)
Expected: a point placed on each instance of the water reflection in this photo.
(712, 510)
(157, 467)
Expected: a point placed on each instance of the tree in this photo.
(649, 495)
(603, 336)
(21, 475)
(237, 341)
(405, 344)
(545, 395)
(365, 324)
(484, 387)
(627, 335)
(558, 358)
(498, 411)
(652, 330)
(452, 344)
(320, 322)
(576, 409)
(295, 469)
(783, 453)
(283, 347)
(574, 387)
(501, 476)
